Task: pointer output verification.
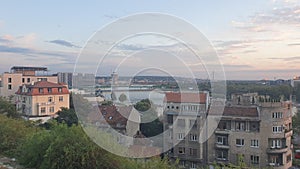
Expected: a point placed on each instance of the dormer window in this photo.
(49, 90)
(59, 89)
(41, 90)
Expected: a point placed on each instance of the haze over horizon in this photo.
(254, 39)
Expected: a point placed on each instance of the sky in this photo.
(254, 39)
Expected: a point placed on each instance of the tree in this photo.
(68, 116)
(13, 133)
(7, 108)
(122, 97)
(150, 124)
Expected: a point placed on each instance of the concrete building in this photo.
(18, 75)
(295, 81)
(254, 130)
(65, 77)
(41, 100)
(184, 114)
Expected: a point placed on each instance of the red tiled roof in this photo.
(44, 84)
(33, 90)
(116, 118)
(240, 111)
(186, 97)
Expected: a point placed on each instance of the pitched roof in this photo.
(186, 97)
(240, 111)
(33, 89)
(116, 118)
(42, 84)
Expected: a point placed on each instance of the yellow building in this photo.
(41, 100)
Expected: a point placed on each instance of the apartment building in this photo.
(19, 75)
(41, 100)
(65, 77)
(254, 130)
(184, 114)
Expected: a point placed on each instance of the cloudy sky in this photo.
(257, 39)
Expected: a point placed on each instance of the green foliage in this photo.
(274, 91)
(13, 133)
(107, 103)
(151, 125)
(67, 116)
(296, 123)
(64, 147)
(143, 105)
(7, 108)
(122, 97)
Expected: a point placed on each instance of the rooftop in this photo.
(186, 97)
(26, 68)
(240, 111)
(33, 89)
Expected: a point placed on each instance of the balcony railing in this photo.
(46, 104)
(288, 133)
(277, 150)
(222, 131)
(223, 146)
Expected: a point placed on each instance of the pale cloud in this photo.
(63, 43)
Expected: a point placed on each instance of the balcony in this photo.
(46, 104)
(222, 146)
(277, 150)
(276, 165)
(221, 131)
(288, 133)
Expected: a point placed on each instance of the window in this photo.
(43, 109)
(181, 150)
(240, 126)
(222, 154)
(193, 123)
(274, 160)
(239, 142)
(222, 140)
(28, 80)
(181, 123)
(41, 90)
(61, 98)
(254, 159)
(59, 89)
(49, 90)
(254, 143)
(180, 136)
(193, 165)
(42, 79)
(9, 80)
(51, 109)
(182, 164)
(277, 129)
(9, 87)
(277, 115)
(193, 152)
(193, 137)
(276, 143)
(50, 99)
(169, 118)
(23, 80)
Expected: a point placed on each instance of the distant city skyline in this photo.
(254, 39)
